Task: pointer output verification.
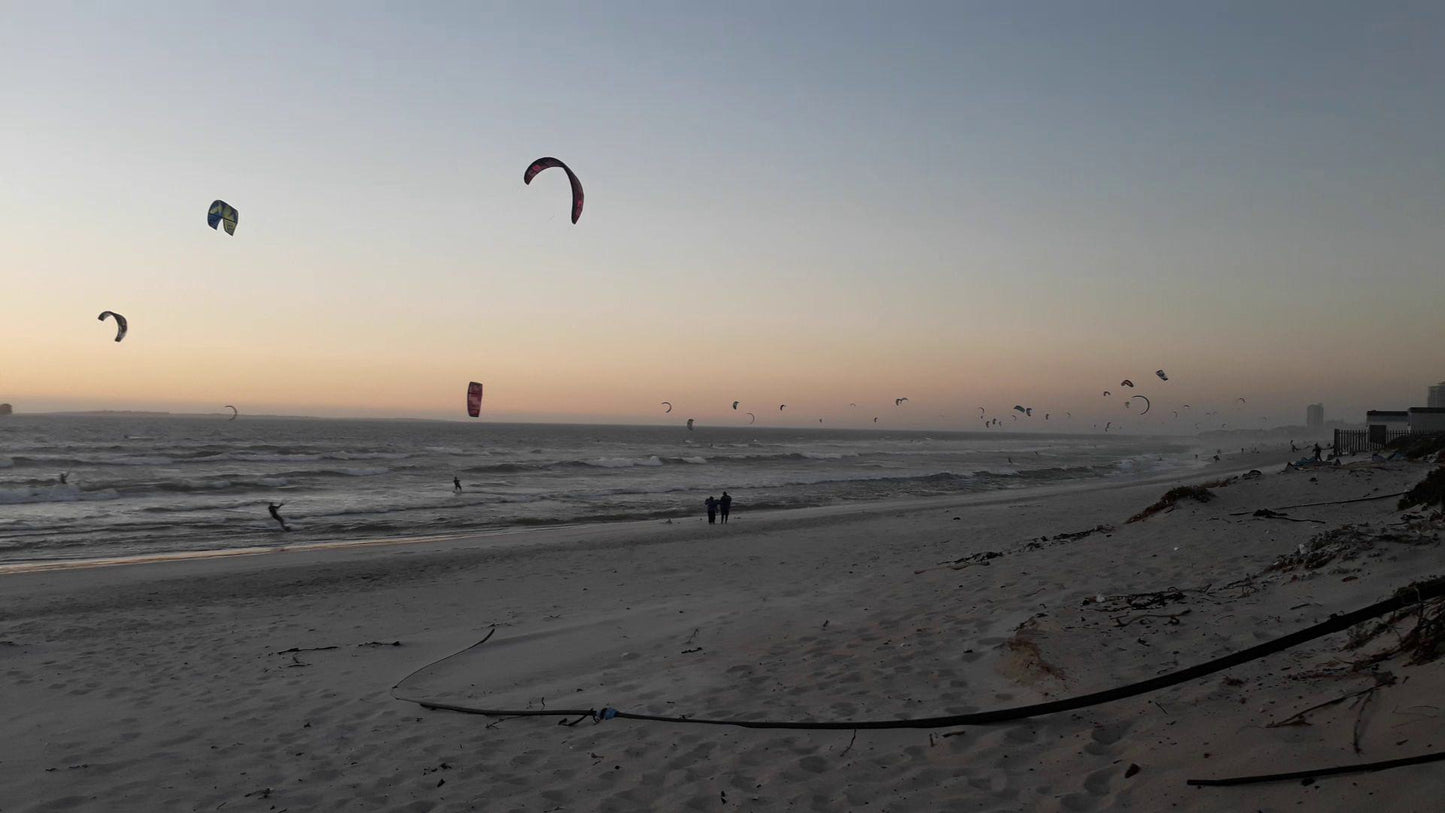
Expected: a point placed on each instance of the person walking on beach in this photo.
(456, 485)
(711, 509)
(725, 505)
(1317, 452)
(275, 509)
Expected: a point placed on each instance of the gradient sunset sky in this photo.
(811, 203)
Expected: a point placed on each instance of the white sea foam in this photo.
(624, 462)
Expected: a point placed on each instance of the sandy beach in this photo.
(264, 682)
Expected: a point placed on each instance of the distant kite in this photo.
(1241, 400)
(1019, 408)
(222, 213)
(121, 326)
(689, 424)
(735, 404)
(667, 404)
(547, 163)
(780, 407)
(474, 399)
(899, 401)
(1127, 383)
(1147, 405)
(1106, 393)
(1108, 424)
(235, 413)
(1162, 376)
(752, 418)
(875, 420)
(982, 412)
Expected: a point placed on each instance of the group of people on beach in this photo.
(718, 505)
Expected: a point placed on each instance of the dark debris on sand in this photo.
(1199, 493)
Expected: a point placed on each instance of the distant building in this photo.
(1437, 396)
(1427, 419)
(1315, 416)
(1392, 418)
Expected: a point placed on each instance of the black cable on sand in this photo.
(1362, 767)
(1402, 598)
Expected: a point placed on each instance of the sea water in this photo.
(143, 485)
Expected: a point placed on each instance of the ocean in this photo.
(145, 485)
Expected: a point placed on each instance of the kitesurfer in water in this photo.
(725, 505)
(63, 475)
(456, 485)
(275, 509)
(711, 505)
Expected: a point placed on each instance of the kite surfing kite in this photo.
(899, 401)
(1146, 404)
(1127, 383)
(735, 404)
(1106, 393)
(752, 419)
(474, 399)
(121, 326)
(1162, 376)
(235, 413)
(780, 407)
(1241, 400)
(222, 213)
(875, 420)
(667, 404)
(547, 163)
(1019, 408)
(982, 412)
(689, 424)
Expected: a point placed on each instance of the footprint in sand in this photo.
(1110, 733)
(1097, 782)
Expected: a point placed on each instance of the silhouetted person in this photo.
(1317, 451)
(725, 505)
(456, 485)
(1292, 447)
(711, 509)
(63, 475)
(275, 509)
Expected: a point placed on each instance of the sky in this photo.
(812, 203)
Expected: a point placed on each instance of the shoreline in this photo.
(1224, 468)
